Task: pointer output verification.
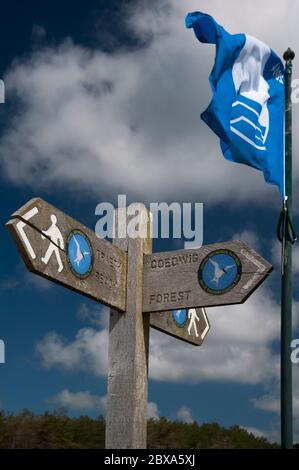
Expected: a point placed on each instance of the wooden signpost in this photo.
(220, 274)
(190, 325)
(59, 248)
(166, 291)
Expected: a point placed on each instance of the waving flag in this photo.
(247, 109)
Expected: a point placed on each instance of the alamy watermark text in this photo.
(173, 220)
(295, 352)
(2, 92)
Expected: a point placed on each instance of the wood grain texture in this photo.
(126, 419)
(193, 333)
(171, 279)
(107, 280)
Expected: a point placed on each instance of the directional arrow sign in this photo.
(219, 274)
(59, 248)
(190, 325)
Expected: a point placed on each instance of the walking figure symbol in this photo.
(54, 234)
(193, 317)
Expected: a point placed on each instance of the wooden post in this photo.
(126, 421)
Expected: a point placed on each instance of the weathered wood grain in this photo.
(107, 280)
(171, 278)
(126, 419)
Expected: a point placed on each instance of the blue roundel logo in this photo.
(180, 317)
(79, 254)
(220, 272)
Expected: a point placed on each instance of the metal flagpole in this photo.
(286, 281)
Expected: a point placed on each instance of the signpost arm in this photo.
(126, 421)
(286, 284)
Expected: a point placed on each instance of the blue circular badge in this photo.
(79, 254)
(180, 317)
(220, 272)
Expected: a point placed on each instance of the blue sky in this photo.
(103, 98)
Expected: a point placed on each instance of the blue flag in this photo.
(247, 108)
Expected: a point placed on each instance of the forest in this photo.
(59, 431)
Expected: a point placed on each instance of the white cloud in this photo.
(249, 237)
(79, 401)
(85, 401)
(25, 279)
(38, 34)
(152, 410)
(119, 122)
(268, 403)
(237, 349)
(255, 431)
(271, 402)
(96, 314)
(33, 281)
(88, 351)
(184, 414)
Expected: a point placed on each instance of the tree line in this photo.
(57, 430)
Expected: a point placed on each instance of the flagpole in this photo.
(286, 280)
